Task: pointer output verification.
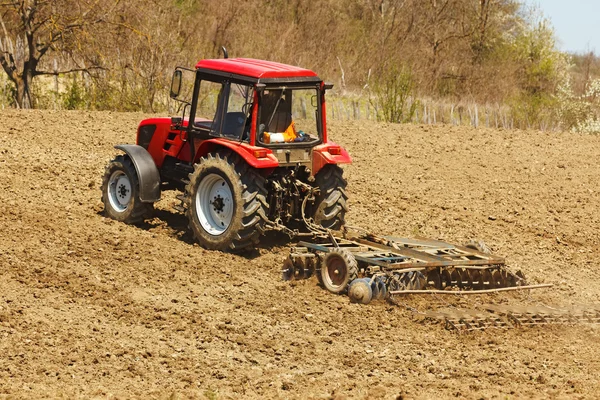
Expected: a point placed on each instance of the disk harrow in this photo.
(511, 316)
(369, 267)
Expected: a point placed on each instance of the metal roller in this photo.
(446, 278)
(456, 278)
(309, 267)
(434, 279)
(465, 278)
(488, 280)
(299, 269)
(360, 291)
(498, 278)
(476, 279)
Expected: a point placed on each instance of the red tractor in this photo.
(250, 154)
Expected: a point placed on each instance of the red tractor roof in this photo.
(255, 68)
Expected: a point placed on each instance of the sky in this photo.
(576, 23)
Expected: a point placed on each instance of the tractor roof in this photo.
(257, 69)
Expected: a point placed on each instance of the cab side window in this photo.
(237, 116)
(224, 109)
(208, 105)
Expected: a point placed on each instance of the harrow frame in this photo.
(391, 265)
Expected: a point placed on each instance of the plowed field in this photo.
(90, 307)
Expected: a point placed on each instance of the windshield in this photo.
(288, 116)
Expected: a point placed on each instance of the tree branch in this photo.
(68, 71)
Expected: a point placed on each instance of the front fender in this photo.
(148, 175)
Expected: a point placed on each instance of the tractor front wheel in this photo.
(120, 192)
(226, 203)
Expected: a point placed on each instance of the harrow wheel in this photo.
(338, 270)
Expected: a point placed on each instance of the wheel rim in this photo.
(336, 271)
(119, 191)
(214, 204)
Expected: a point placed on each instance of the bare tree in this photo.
(32, 29)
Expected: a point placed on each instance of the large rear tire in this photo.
(120, 192)
(226, 203)
(330, 207)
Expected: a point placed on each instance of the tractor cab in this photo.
(249, 101)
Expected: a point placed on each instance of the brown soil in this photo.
(90, 307)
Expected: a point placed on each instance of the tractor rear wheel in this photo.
(330, 204)
(120, 192)
(226, 203)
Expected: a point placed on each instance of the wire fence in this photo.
(432, 112)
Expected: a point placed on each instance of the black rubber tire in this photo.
(339, 268)
(136, 210)
(330, 207)
(249, 202)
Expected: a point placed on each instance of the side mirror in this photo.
(176, 83)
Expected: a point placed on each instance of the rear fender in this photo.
(322, 156)
(148, 175)
(246, 151)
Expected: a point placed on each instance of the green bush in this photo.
(393, 95)
(75, 97)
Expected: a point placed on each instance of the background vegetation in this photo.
(429, 61)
